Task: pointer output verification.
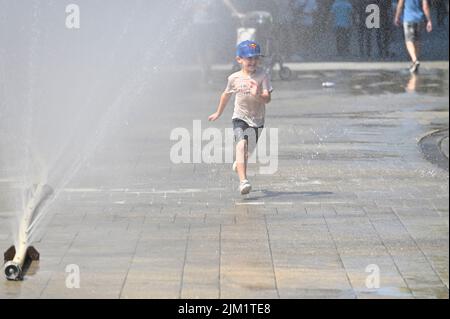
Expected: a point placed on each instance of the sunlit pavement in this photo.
(355, 210)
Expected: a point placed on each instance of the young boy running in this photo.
(253, 91)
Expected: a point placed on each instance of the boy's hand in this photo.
(254, 88)
(266, 97)
(213, 117)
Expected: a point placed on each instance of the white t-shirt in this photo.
(246, 106)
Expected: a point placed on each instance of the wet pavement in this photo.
(445, 146)
(356, 194)
(434, 148)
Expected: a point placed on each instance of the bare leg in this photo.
(241, 159)
(417, 46)
(413, 50)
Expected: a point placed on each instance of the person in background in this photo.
(305, 15)
(384, 33)
(342, 11)
(414, 13)
(287, 28)
(441, 7)
(365, 34)
(203, 19)
(206, 23)
(324, 12)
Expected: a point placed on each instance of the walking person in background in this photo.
(365, 34)
(286, 28)
(384, 32)
(441, 11)
(206, 21)
(305, 12)
(342, 12)
(203, 19)
(414, 13)
(324, 12)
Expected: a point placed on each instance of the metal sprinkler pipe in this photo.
(14, 268)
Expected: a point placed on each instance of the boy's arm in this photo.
(224, 99)
(426, 10)
(263, 94)
(398, 12)
(265, 97)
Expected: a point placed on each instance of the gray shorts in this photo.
(412, 31)
(244, 131)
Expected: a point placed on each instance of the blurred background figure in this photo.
(302, 30)
(413, 13)
(324, 14)
(204, 18)
(305, 12)
(287, 28)
(365, 35)
(384, 33)
(342, 12)
(207, 17)
(441, 7)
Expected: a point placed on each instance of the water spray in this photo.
(14, 266)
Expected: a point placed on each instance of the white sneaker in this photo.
(235, 166)
(415, 67)
(245, 187)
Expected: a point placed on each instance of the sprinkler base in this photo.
(14, 271)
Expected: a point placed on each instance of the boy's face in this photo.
(248, 64)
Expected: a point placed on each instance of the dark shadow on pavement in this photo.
(272, 194)
(430, 146)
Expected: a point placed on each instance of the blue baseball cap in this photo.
(248, 49)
